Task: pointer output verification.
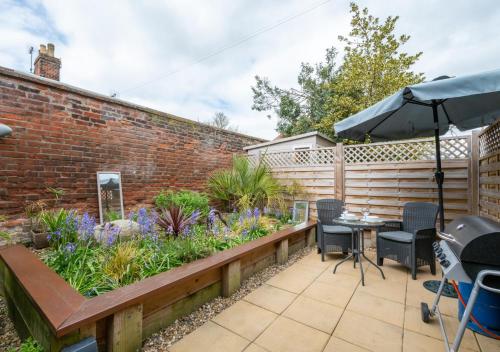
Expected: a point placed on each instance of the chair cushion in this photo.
(400, 236)
(336, 229)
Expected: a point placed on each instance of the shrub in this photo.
(244, 186)
(28, 345)
(189, 201)
(121, 266)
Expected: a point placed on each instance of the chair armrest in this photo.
(392, 225)
(424, 234)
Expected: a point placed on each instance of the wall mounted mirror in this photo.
(300, 211)
(109, 190)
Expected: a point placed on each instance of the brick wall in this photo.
(63, 135)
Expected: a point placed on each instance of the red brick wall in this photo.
(62, 136)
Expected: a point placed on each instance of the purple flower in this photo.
(111, 233)
(244, 233)
(211, 216)
(186, 231)
(70, 248)
(249, 213)
(194, 217)
(57, 234)
(111, 240)
(86, 227)
(256, 213)
(146, 222)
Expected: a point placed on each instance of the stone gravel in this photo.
(8, 335)
(165, 338)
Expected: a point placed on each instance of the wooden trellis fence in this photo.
(489, 172)
(385, 176)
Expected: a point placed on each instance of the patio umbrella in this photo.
(429, 109)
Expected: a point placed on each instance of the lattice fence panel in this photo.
(489, 172)
(423, 149)
(299, 158)
(489, 139)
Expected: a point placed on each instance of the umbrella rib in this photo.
(446, 113)
(392, 113)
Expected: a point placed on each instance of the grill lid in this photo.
(475, 241)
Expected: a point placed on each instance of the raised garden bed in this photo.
(43, 305)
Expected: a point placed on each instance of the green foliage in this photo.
(56, 192)
(111, 215)
(189, 201)
(29, 345)
(299, 110)
(121, 265)
(4, 235)
(244, 186)
(93, 268)
(373, 67)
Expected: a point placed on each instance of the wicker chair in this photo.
(331, 237)
(410, 242)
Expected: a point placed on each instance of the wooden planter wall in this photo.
(43, 305)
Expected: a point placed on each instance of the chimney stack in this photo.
(46, 65)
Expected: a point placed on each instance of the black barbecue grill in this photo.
(475, 241)
(470, 253)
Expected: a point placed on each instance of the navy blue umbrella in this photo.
(426, 109)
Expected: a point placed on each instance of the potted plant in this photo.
(38, 231)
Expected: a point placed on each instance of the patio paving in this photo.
(308, 308)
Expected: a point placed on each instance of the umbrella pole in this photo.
(439, 174)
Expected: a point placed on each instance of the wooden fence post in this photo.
(231, 278)
(125, 334)
(339, 171)
(474, 173)
(282, 252)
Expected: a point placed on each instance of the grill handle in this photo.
(446, 236)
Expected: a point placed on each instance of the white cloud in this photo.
(117, 45)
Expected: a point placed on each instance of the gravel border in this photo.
(166, 337)
(8, 334)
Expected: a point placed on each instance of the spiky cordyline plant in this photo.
(175, 222)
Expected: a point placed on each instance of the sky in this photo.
(195, 58)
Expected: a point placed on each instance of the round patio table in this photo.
(357, 227)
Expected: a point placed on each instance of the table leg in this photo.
(360, 253)
(350, 255)
(375, 265)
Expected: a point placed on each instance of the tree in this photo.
(373, 67)
(220, 120)
(298, 110)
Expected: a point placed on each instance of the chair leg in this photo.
(380, 261)
(433, 266)
(413, 261)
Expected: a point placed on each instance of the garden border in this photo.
(42, 304)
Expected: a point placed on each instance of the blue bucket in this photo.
(486, 310)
